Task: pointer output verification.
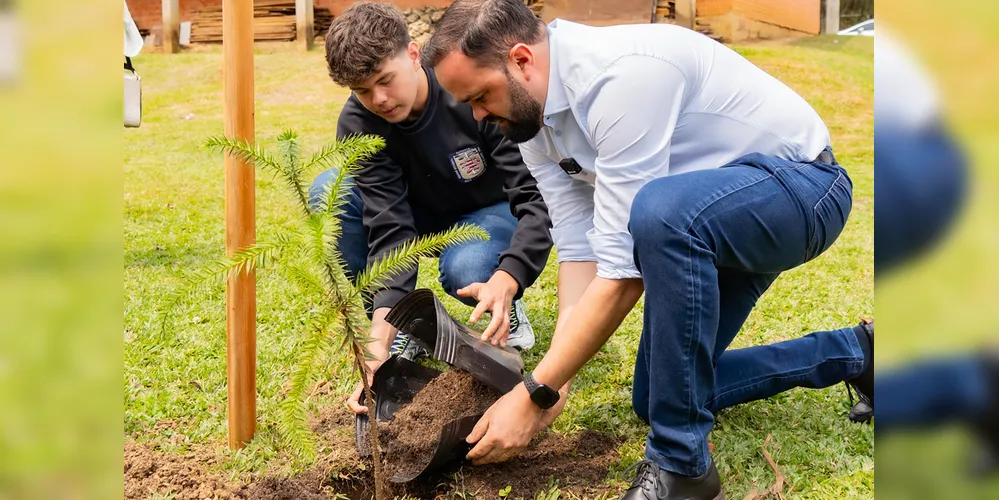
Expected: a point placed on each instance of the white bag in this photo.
(133, 96)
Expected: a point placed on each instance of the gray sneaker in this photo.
(521, 331)
(407, 347)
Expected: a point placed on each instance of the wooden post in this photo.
(830, 16)
(241, 341)
(686, 13)
(305, 23)
(171, 26)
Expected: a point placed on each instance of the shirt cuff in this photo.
(517, 270)
(609, 272)
(571, 242)
(615, 255)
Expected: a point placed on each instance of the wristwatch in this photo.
(542, 395)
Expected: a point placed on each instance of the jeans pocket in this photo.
(830, 214)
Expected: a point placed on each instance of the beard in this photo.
(525, 114)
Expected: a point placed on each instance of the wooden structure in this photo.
(830, 16)
(736, 20)
(240, 228)
(171, 26)
(305, 23)
(599, 12)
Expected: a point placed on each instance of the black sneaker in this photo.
(653, 483)
(862, 410)
(986, 461)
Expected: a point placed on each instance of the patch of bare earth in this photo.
(578, 464)
(184, 476)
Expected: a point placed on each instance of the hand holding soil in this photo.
(506, 428)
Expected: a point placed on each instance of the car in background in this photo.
(865, 28)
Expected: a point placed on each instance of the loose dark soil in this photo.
(409, 440)
(186, 476)
(578, 463)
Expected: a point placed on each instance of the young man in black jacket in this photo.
(439, 167)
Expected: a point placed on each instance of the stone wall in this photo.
(421, 21)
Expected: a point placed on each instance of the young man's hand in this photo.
(384, 334)
(495, 296)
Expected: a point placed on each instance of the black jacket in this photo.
(437, 169)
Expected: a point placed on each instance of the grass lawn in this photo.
(175, 383)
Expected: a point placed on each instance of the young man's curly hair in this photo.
(361, 39)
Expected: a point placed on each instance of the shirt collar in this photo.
(556, 101)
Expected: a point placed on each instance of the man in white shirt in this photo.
(670, 165)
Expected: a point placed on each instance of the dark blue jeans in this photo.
(920, 180)
(460, 265)
(708, 244)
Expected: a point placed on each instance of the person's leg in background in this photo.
(756, 217)
(920, 187)
(353, 241)
(475, 262)
(353, 246)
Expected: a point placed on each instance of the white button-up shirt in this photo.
(638, 102)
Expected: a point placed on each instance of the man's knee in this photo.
(323, 182)
(467, 264)
(319, 187)
(659, 207)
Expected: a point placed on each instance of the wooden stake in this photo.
(686, 13)
(830, 18)
(241, 341)
(171, 26)
(305, 23)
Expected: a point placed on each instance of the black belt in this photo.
(826, 156)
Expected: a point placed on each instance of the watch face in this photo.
(545, 397)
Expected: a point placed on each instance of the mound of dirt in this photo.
(185, 477)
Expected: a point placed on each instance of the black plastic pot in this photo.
(395, 384)
(398, 380)
(421, 315)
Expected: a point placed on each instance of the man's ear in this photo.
(521, 57)
(413, 50)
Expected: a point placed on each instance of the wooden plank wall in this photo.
(711, 8)
(800, 15)
(600, 12)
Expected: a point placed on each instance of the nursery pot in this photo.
(395, 384)
(421, 315)
(398, 380)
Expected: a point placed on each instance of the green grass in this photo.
(174, 383)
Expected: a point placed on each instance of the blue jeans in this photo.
(931, 393)
(459, 265)
(708, 244)
(920, 182)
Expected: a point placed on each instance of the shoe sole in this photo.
(421, 315)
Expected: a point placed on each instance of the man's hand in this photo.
(495, 296)
(552, 413)
(384, 334)
(354, 401)
(507, 427)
